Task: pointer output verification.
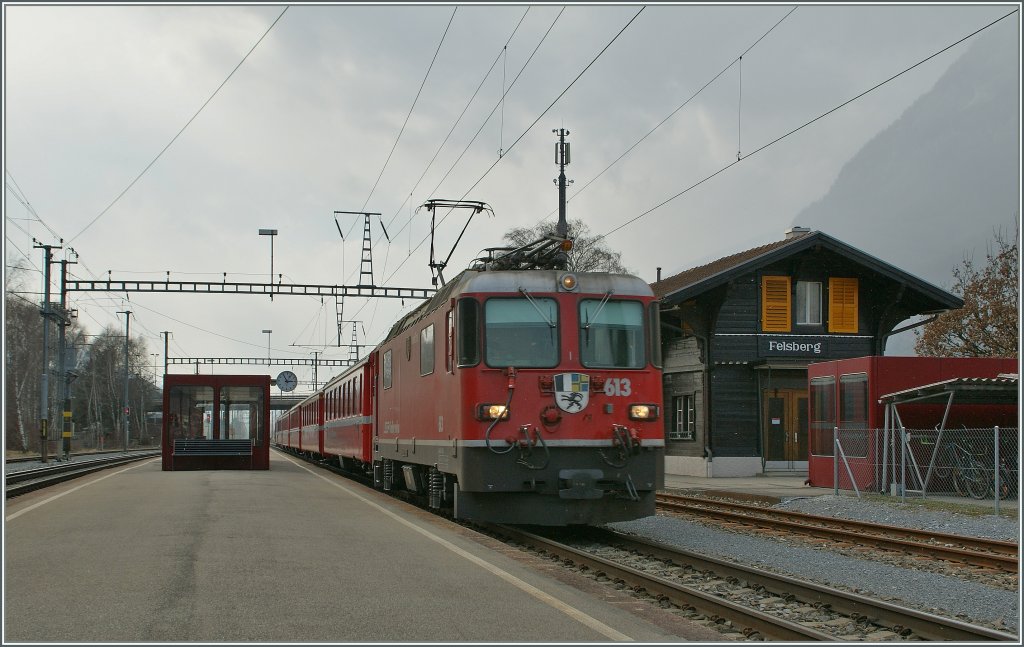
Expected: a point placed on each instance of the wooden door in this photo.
(785, 427)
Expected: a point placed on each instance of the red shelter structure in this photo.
(216, 422)
(850, 395)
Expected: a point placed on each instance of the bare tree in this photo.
(987, 325)
(23, 363)
(589, 253)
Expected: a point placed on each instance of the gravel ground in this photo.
(932, 592)
(910, 515)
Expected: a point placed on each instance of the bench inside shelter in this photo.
(187, 451)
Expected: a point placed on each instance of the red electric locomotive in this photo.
(529, 397)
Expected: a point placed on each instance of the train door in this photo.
(785, 429)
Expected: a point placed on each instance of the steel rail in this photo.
(25, 481)
(766, 624)
(854, 531)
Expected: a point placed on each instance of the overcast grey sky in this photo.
(306, 123)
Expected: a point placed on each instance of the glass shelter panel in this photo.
(190, 412)
(611, 334)
(823, 415)
(853, 414)
(241, 411)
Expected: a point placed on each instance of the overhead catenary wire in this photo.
(673, 113)
(802, 126)
(486, 119)
(411, 108)
(535, 121)
(179, 133)
(455, 125)
(524, 133)
(20, 196)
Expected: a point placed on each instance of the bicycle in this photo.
(967, 472)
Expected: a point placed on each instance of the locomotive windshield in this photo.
(611, 333)
(521, 332)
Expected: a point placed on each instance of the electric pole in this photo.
(46, 312)
(127, 327)
(65, 372)
(166, 334)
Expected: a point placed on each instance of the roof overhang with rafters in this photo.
(967, 390)
(696, 281)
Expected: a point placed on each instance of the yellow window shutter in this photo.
(775, 304)
(842, 305)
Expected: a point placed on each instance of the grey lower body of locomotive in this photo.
(575, 485)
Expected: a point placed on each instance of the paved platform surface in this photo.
(768, 488)
(776, 489)
(293, 554)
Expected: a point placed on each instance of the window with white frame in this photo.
(683, 417)
(808, 303)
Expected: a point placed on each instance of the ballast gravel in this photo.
(930, 592)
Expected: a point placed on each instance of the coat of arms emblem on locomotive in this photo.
(572, 391)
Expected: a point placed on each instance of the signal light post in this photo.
(562, 160)
(271, 233)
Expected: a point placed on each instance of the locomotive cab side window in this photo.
(654, 319)
(521, 332)
(468, 337)
(612, 333)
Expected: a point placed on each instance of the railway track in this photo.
(36, 457)
(756, 603)
(986, 553)
(23, 481)
(735, 599)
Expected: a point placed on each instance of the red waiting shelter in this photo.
(216, 422)
(848, 395)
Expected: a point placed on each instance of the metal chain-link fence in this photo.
(971, 463)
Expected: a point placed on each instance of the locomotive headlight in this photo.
(643, 412)
(491, 412)
(568, 282)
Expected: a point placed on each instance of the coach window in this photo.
(521, 332)
(385, 370)
(468, 338)
(611, 333)
(427, 350)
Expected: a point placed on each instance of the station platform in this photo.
(292, 554)
(774, 489)
(761, 488)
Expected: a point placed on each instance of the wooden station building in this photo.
(738, 334)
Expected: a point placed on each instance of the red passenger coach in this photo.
(216, 422)
(348, 416)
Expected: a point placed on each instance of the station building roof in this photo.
(694, 282)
